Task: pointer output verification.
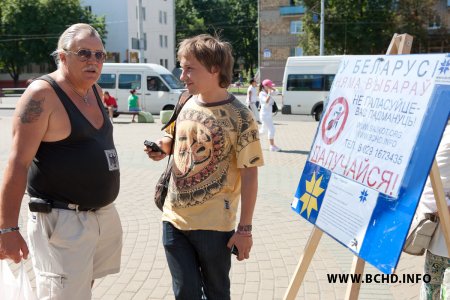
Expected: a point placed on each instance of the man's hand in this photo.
(164, 144)
(13, 246)
(244, 244)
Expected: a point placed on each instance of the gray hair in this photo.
(69, 35)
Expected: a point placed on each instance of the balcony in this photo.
(292, 10)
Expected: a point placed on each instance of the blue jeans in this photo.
(199, 260)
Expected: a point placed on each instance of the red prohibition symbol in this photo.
(334, 120)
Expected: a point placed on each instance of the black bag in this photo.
(274, 107)
(162, 186)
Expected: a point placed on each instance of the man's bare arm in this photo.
(30, 123)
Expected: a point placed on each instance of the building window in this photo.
(88, 8)
(296, 27)
(161, 41)
(165, 17)
(166, 63)
(161, 62)
(296, 51)
(143, 13)
(160, 17)
(435, 22)
(165, 41)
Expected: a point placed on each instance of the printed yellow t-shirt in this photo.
(213, 142)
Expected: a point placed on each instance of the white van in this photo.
(306, 83)
(155, 86)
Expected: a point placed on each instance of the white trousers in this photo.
(254, 110)
(267, 125)
(70, 249)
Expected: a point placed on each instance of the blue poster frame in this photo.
(392, 217)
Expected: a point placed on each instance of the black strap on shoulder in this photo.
(184, 97)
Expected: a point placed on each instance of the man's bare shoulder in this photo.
(38, 100)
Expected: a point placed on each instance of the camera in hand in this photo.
(153, 146)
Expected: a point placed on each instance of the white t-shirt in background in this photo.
(253, 97)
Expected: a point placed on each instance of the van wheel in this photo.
(168, 107)
(318, 113)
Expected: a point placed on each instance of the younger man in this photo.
(216, 155)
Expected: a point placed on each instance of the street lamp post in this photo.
(322, 25)
(140, 32)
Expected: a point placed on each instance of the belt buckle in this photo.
(72, 206)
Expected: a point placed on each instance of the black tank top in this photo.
(81, 169)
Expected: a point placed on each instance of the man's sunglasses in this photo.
(86, 54)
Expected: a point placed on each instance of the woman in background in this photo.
(265, 114)
(133, 103)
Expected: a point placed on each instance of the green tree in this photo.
(234, 21)
(188, 22)
(29, 30)
(364, 26)
(244, 33)
(412, 17)
(351, 27)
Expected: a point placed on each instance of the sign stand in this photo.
(400, 44)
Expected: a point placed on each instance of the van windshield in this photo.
(172, 81)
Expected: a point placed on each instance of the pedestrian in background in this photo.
(266, 89)
(63, 143)
(216, 155)
(437, 259)
(110, 103)
(252, 99)
(133, 103)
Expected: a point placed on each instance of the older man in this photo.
(63, 143)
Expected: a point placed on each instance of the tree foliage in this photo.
(29, 30)
(363, 26)
(234, 21)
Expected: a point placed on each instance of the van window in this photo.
(309, 82)
(328, 81)
(154, 83)
(129, 81)
(107, 81)
(172, 81)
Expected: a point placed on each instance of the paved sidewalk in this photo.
(280, 235)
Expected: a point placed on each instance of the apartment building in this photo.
(156, 33)
(138, 30)
(281, 24)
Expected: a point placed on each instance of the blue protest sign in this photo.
(373, 150)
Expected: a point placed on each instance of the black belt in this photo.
(70, 206)
(46, 206)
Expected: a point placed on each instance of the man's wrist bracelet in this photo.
(9, 229)
(244, 228)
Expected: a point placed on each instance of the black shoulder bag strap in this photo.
(184, 97)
